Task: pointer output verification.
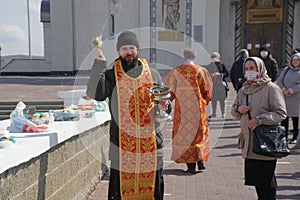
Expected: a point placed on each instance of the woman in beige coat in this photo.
(266, 106)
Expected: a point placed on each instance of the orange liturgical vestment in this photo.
(191, 91)
(137, 142)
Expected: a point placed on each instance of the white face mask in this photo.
(263, 53)
(251, 75)
(215, 60)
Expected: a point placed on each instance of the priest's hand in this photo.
(99, 54)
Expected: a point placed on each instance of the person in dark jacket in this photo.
(270, 62)
(136, 142)
(236, 72)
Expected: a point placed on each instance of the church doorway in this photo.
(264, 26)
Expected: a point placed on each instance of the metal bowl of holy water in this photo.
(160, 93)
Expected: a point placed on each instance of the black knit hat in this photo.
(127, 38)
(264, 48)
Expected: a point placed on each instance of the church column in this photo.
(288, 43)
(152, 33)
(188, 27)
(239, 27)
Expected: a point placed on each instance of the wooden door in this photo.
(264, 26)
(269, 34)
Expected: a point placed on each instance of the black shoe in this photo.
(200, 165)
(191, 171)
(191, 168)
(211, 116)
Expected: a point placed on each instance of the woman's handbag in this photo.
(241, 141)
(270, 140)
(224, 83)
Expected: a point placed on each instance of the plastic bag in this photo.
(101, 106)
(19, 123)
(87, 103)
(241, 141)
(65, 115)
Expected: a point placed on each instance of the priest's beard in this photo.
(128, 65)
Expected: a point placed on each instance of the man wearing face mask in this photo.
(136, 141)
(270, 62)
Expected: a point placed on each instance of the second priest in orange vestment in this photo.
(191, 88)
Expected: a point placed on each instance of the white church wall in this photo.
(227, 33)
(212, 29)
(47, 42)
(91, 18)
(61, 38)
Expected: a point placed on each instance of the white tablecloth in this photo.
(30, 145)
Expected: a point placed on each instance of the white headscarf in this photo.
(291, 60)
(260, 66)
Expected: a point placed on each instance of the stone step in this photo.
(41, 106)
(32, 102)
(5, 108)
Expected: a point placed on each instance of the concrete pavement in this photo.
(29, 88)
(223, 177)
